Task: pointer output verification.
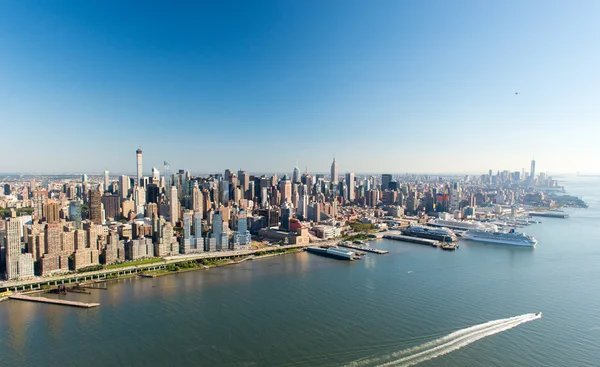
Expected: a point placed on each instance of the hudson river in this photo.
(306, 310)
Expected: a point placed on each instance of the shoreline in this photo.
(162, 272)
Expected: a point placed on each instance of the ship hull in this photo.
(499, 241)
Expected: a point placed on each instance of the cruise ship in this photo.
(503, 238)
(461, 225)
(438, 234)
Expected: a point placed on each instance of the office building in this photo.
(350, 186)
(106, 180)
(386, 178)
(241, 237)
(173, 206)
(138, 155)
(95, 205)
(334, 172)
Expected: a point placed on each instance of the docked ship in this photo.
(503, 238)
(463, 225)
(333, 252)
(438, 234)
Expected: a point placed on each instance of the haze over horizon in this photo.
(393, 87)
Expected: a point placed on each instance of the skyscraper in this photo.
(124, 186)
(138, 154)
(220, 237)
(173, 205)
(241, 237)
(296, 175)
(244, 179)
(285, 188)
(155, 176)
(105, 180)
(386, 178)
(532, 172)
(334, 172)
(350, 186)
(40, 197)
(96, 206)
(18, 265)
(197, 198)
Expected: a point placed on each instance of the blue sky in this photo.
(398, 86)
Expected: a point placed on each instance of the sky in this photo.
(382, 86)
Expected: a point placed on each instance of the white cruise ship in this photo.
(463, 225)
(503, 238)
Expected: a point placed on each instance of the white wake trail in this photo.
(446, 344)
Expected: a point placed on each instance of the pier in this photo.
(23, 297)
(367, 249)
(549, 215)
(420, 241)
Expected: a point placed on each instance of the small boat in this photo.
(539, 314)
(449, 247)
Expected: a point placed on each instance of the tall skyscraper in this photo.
(155, 176)
(241, 237)
(75, 213)
(138, 154)
(532, 172)
(51, 211)
(285, 188)
(386, 178)
(296, 175)
(105, 180)
(220, 236)
(96, 206)
(173, 205)
(197, 198)
(244, 179)
(112, 205)
(40, 197)
(124, 186)
(334, 172)
(18, 265)
(350, 186)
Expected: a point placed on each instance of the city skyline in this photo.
(396, 87)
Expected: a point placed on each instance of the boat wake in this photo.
(445, 344)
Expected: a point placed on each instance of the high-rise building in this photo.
(386, 178)
(40, 197)
(218, 234)
(350, 186)
(197, 198)
(155, 176)
(112, 205)
(75, 213)
(124, 186)
(173, 205)
(138, 154)
(96, 206)
(18, 265)
(244, 179)
(285, 188)
(241, 237)
(296, 175)
(105, 180)
(334, 172)
(286, 214)
(532, 173)
(50, 211)
(152, 193)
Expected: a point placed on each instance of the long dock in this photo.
(23, 297)
(420, 241)
(367, 249)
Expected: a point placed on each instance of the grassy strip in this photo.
(134, 263)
